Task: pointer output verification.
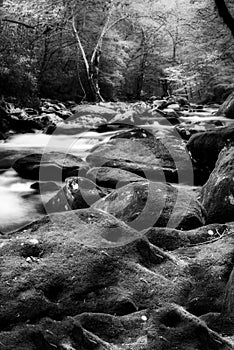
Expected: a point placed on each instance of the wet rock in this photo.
(78, 193)
(3, 136)
(147, 204)
(228, 304)
(135, 133)
(182, 101)
(24, 125)
(53, 166)
(187, 129)
(51, 118)
(112, 127)
(148, 156)
(103, 111)
(128, 117)
(217, 194)
(112, 177)
(227, 108)
(205, 147)
(9, 156)
(42, 187)
(73, 127)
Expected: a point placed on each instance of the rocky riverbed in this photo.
(117, 227)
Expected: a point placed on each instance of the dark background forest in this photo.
(91, 50)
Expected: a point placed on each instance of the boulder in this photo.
(227, 108)
(112, 127)
(8, 156)
(187, 129)
(104, 111)
(49, 166)
(78, 193)
(205, 147)
(73, 127)
(128, 117)
(145, 154)
(217, 195)
(83, 279)
(80, 261)
(146, 204)
(112, 177)
(24, 125)
(43, 187)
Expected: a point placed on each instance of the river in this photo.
(19, 204)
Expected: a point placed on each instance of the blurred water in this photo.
(19, 204)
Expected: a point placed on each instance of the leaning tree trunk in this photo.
(225, 14)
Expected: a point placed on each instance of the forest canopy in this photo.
(106, 50)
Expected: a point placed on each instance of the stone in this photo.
(112, 177)
(76, 268)
(50, 166)
(146, 204)
(169, 325)
(8, 156)
(227, 108)
(95, 110)
(84, 279)
(172, 239)
(217, 195)
(143, 153)
(205, 147)
(78, 193)
(75, 126)
(43, 187)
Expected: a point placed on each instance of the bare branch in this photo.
(18, 22)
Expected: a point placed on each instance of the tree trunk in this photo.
(140, 79)
(93, 86)
(225, 14)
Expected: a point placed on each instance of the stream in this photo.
(19, 203)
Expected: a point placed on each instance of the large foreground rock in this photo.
(54, 166)
(65, 281)
(81, 261)
(146, 204)
(217, 195)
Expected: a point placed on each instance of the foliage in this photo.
(138, 44)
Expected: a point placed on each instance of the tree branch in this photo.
(18, 22)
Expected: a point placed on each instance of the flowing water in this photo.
(19, 204)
